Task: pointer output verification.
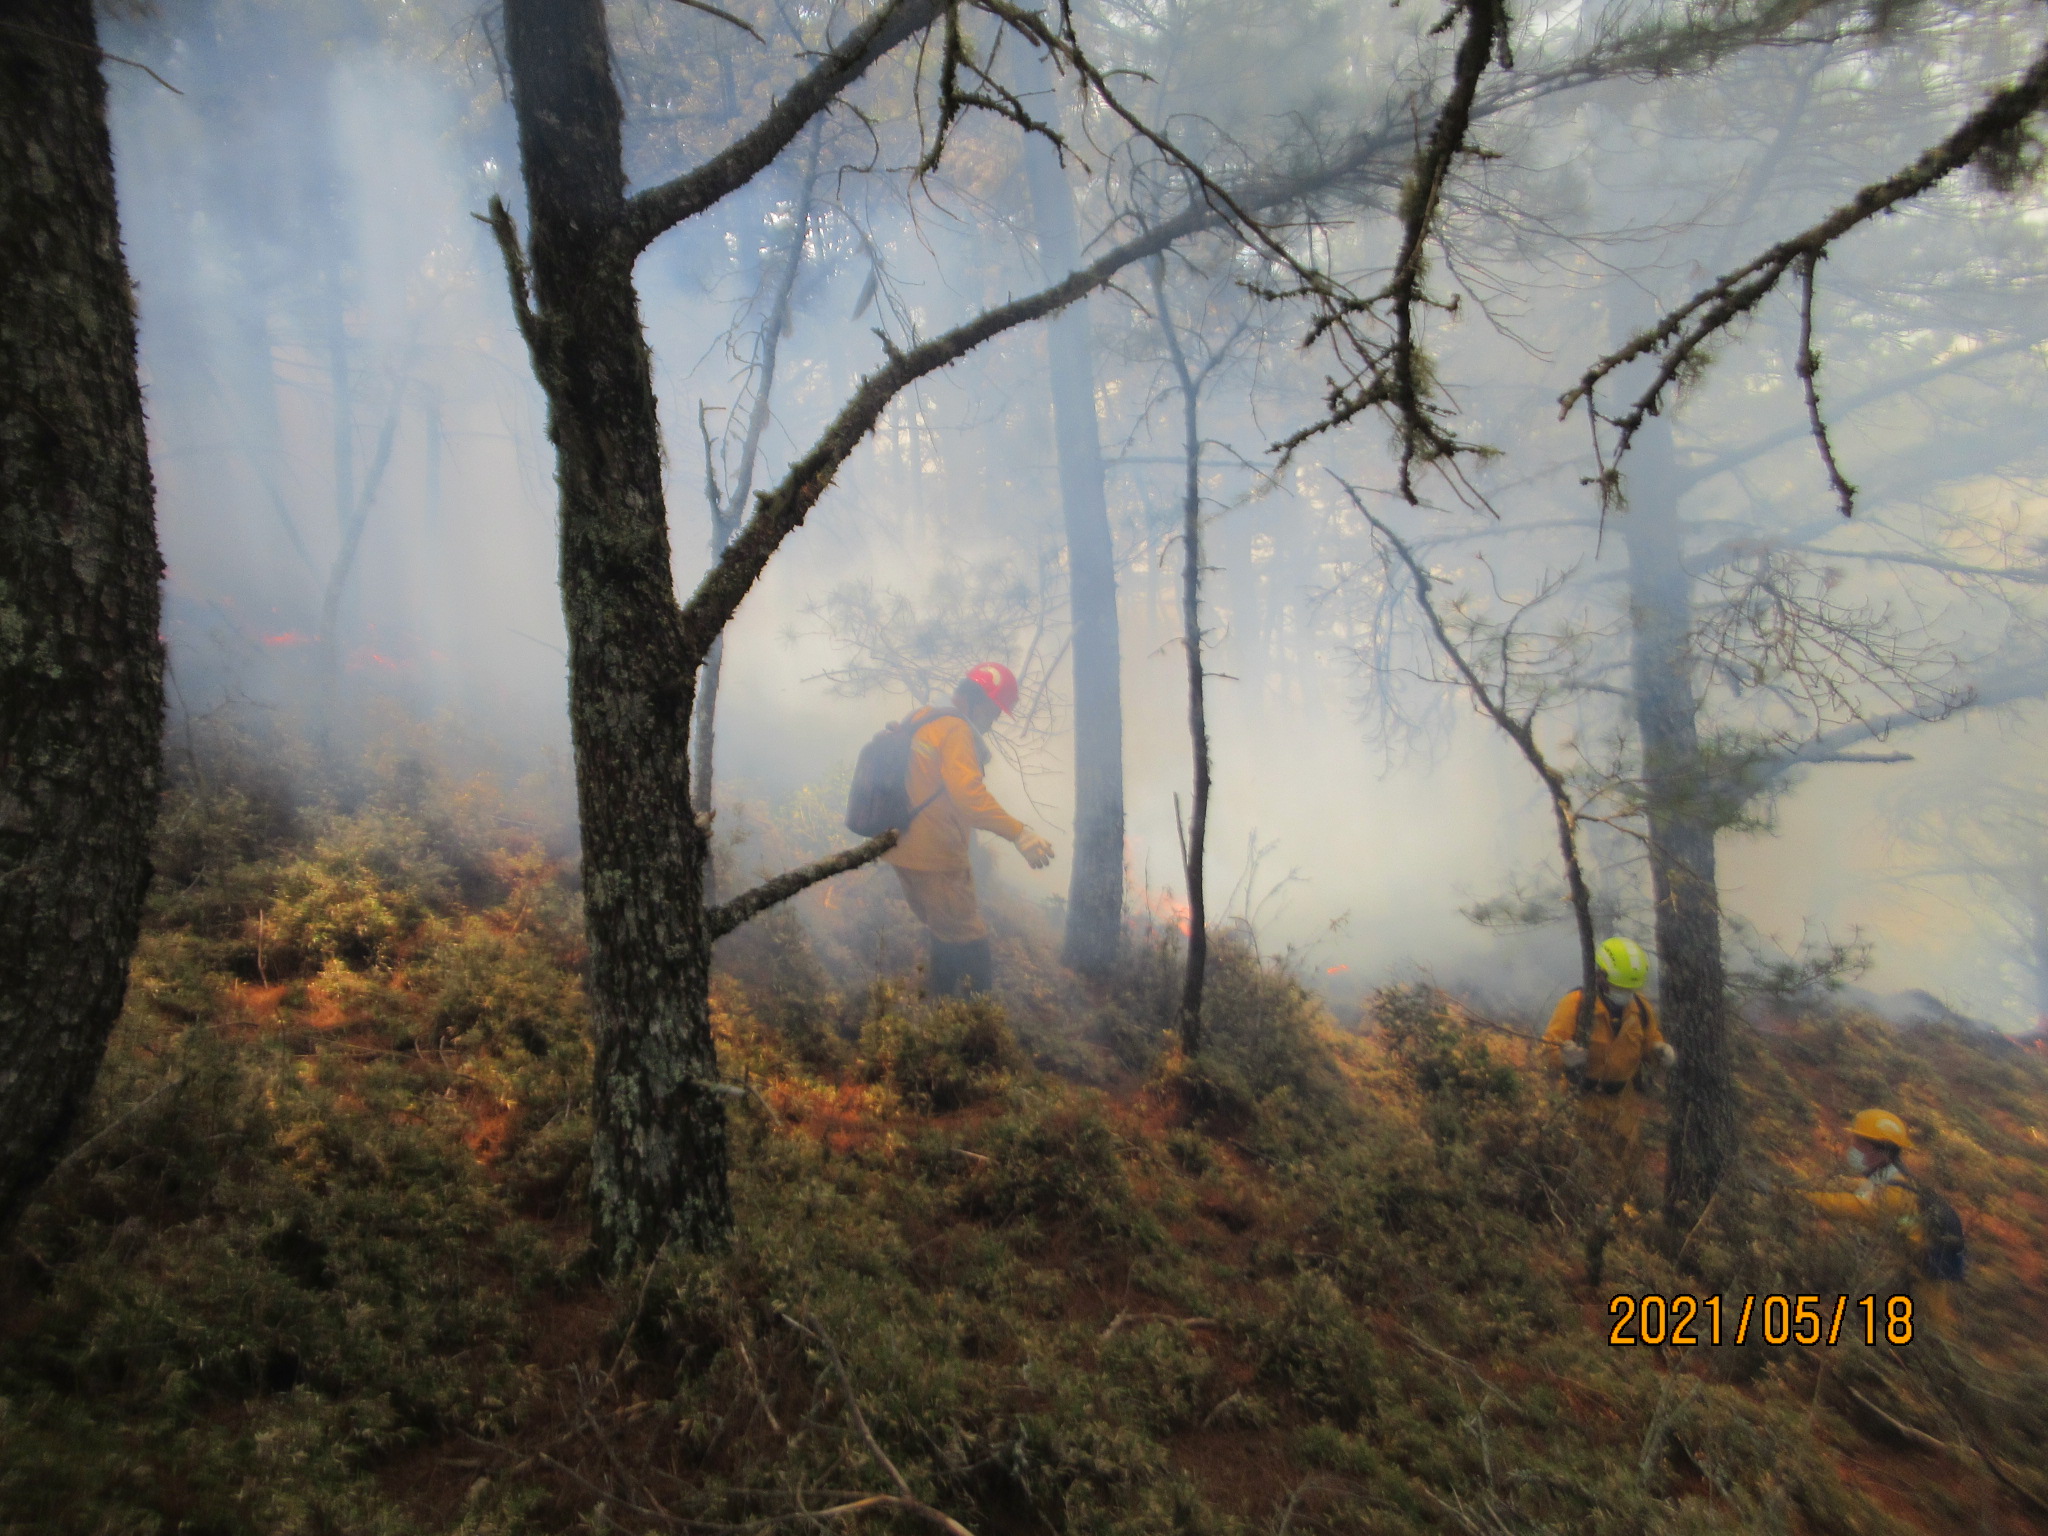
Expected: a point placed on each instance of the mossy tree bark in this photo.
(659, 1159)
(1683, 807)
(81, 664)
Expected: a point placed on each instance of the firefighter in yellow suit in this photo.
(1624, 1031)
(1885, 1203)
(931, 859)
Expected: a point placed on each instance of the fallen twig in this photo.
(906, 1500)
(1123, 1319)
(72, 1158)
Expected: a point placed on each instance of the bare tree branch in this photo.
(2025, 575)
(860, 1420)
(1523, 734)
(2011, 685)
(660, 208)
(726, 507)
(111, 58)
(1194, 837)
(517, 278)
(712, 10)
(1394, 378)
(78, 1153)
(781, 511)
(721, 920)
(1720, 464)
(1677, 338)
(1807, 365)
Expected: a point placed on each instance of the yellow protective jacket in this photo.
(946, 755)
(1611, 1056)
(1880, 1201)
(1890, 1210)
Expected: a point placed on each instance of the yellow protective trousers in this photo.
(944, 902)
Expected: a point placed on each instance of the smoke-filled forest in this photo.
(1142, 768)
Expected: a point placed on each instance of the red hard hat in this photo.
(998, 682)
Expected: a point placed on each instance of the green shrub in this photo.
(942, 1055)
(1312, 1343)
(1055, 1162)
(1261, 1025)
(369, 881)
(487, 990)
(1454, 1071)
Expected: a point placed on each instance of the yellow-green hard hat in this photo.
(1625, 964)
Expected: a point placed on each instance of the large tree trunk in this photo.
(81, 664)
(1095, 892)
(1681, 801)
(659, 1158)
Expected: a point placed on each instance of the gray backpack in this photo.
(879, 800)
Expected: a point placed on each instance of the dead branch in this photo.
(1677, 338)
(2009, 685)
(872, 1501)
(721, 920)
(712, 10)
(1522, 733)
(726, 508)
(660, 208)
(77, 1154)
(754, 1380)
(779, 512)
(992, 96)
(1398, 381)
(110, 58)
(2024, 575)
(1807, 365)
(499, 221)
(1734, 458)
(906, 1501)
(1125, 1319)
(1194, 836)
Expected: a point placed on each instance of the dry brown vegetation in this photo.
(319, 1265)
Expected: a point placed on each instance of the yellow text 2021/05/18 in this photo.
(1655, 1319)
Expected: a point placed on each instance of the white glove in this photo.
(1665, 1055)
(1574, 1055)
(1036, 850)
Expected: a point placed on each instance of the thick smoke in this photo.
(356, 499)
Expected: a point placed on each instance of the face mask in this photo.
(1857, 1161)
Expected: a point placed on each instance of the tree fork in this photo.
(659, 1154)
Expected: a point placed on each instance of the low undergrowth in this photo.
(318, 1264)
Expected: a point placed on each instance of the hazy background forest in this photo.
(355, 489)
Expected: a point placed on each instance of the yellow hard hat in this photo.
(1881, 1125)
(1624, 963)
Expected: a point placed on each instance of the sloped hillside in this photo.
(1009, 1267)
